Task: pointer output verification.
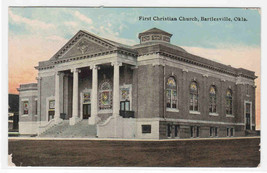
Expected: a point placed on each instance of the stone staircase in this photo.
(64, 130)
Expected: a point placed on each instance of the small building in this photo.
(152, 90)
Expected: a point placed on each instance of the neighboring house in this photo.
(152, 90)
(13, 112)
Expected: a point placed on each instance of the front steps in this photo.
(64, 130)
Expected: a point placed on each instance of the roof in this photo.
(145, 48)
(154, 31)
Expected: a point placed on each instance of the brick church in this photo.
(95, 87)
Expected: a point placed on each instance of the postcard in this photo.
(134, 86)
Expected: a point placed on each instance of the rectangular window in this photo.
(198, 132)
(25, 107)
(211, 131)
(216, 131)
(195, 103)
(168, 93)
(169, 130)
(192, 131)
(36, 106)
(146, 128)
(228, 132)
(122, 106)
(232, 132)
(176, 131)
(191, 102)
(127, 106)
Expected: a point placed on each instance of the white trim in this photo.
(249, 102)
(230, 116)
(25, 115)
(151, 59)
(47, 105)
(172, 110)
(46, 73)
(28, 93)
(188, 121)
(194, 112)
(213, 114)
(105, 111)
(24, 99)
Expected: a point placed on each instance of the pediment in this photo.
(83, 44)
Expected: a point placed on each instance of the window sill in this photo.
(25, 115)
(194, 112)
(214, 114)
(230, 116)
(172, 110)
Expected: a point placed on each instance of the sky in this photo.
(36, 34)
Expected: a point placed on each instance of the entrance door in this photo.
(248, 116)
(86, 111)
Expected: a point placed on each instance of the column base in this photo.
(93, 120)
(58, 120)
(74, 120)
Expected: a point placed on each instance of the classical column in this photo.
(57, 99)
(94, 106)
(116, 88)
(39, 79)
(74, 119)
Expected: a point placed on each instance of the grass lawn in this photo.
(189, 153)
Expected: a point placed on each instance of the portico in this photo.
(94, 94)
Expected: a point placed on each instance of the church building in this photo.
(95, 87)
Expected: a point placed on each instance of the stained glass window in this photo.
(25, 107)
(229, 102)
(125, 94)
(51, 104)
(105, 96)
(212, 105)
(171, 93)
(87, 98)
(193, 96)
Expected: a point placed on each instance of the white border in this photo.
(155, 3)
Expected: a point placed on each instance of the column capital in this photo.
(94, 67)
(57, 72)
(116, 63)
(75, 70)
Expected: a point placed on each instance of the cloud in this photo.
(36, 24)
(83, 17)
(71, 23)
(56, 38)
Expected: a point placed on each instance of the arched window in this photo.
(171, 93)
(229, 102)
(105, 96)
(193, 96)
(212, 93)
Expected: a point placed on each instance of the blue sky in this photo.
(122, 24)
